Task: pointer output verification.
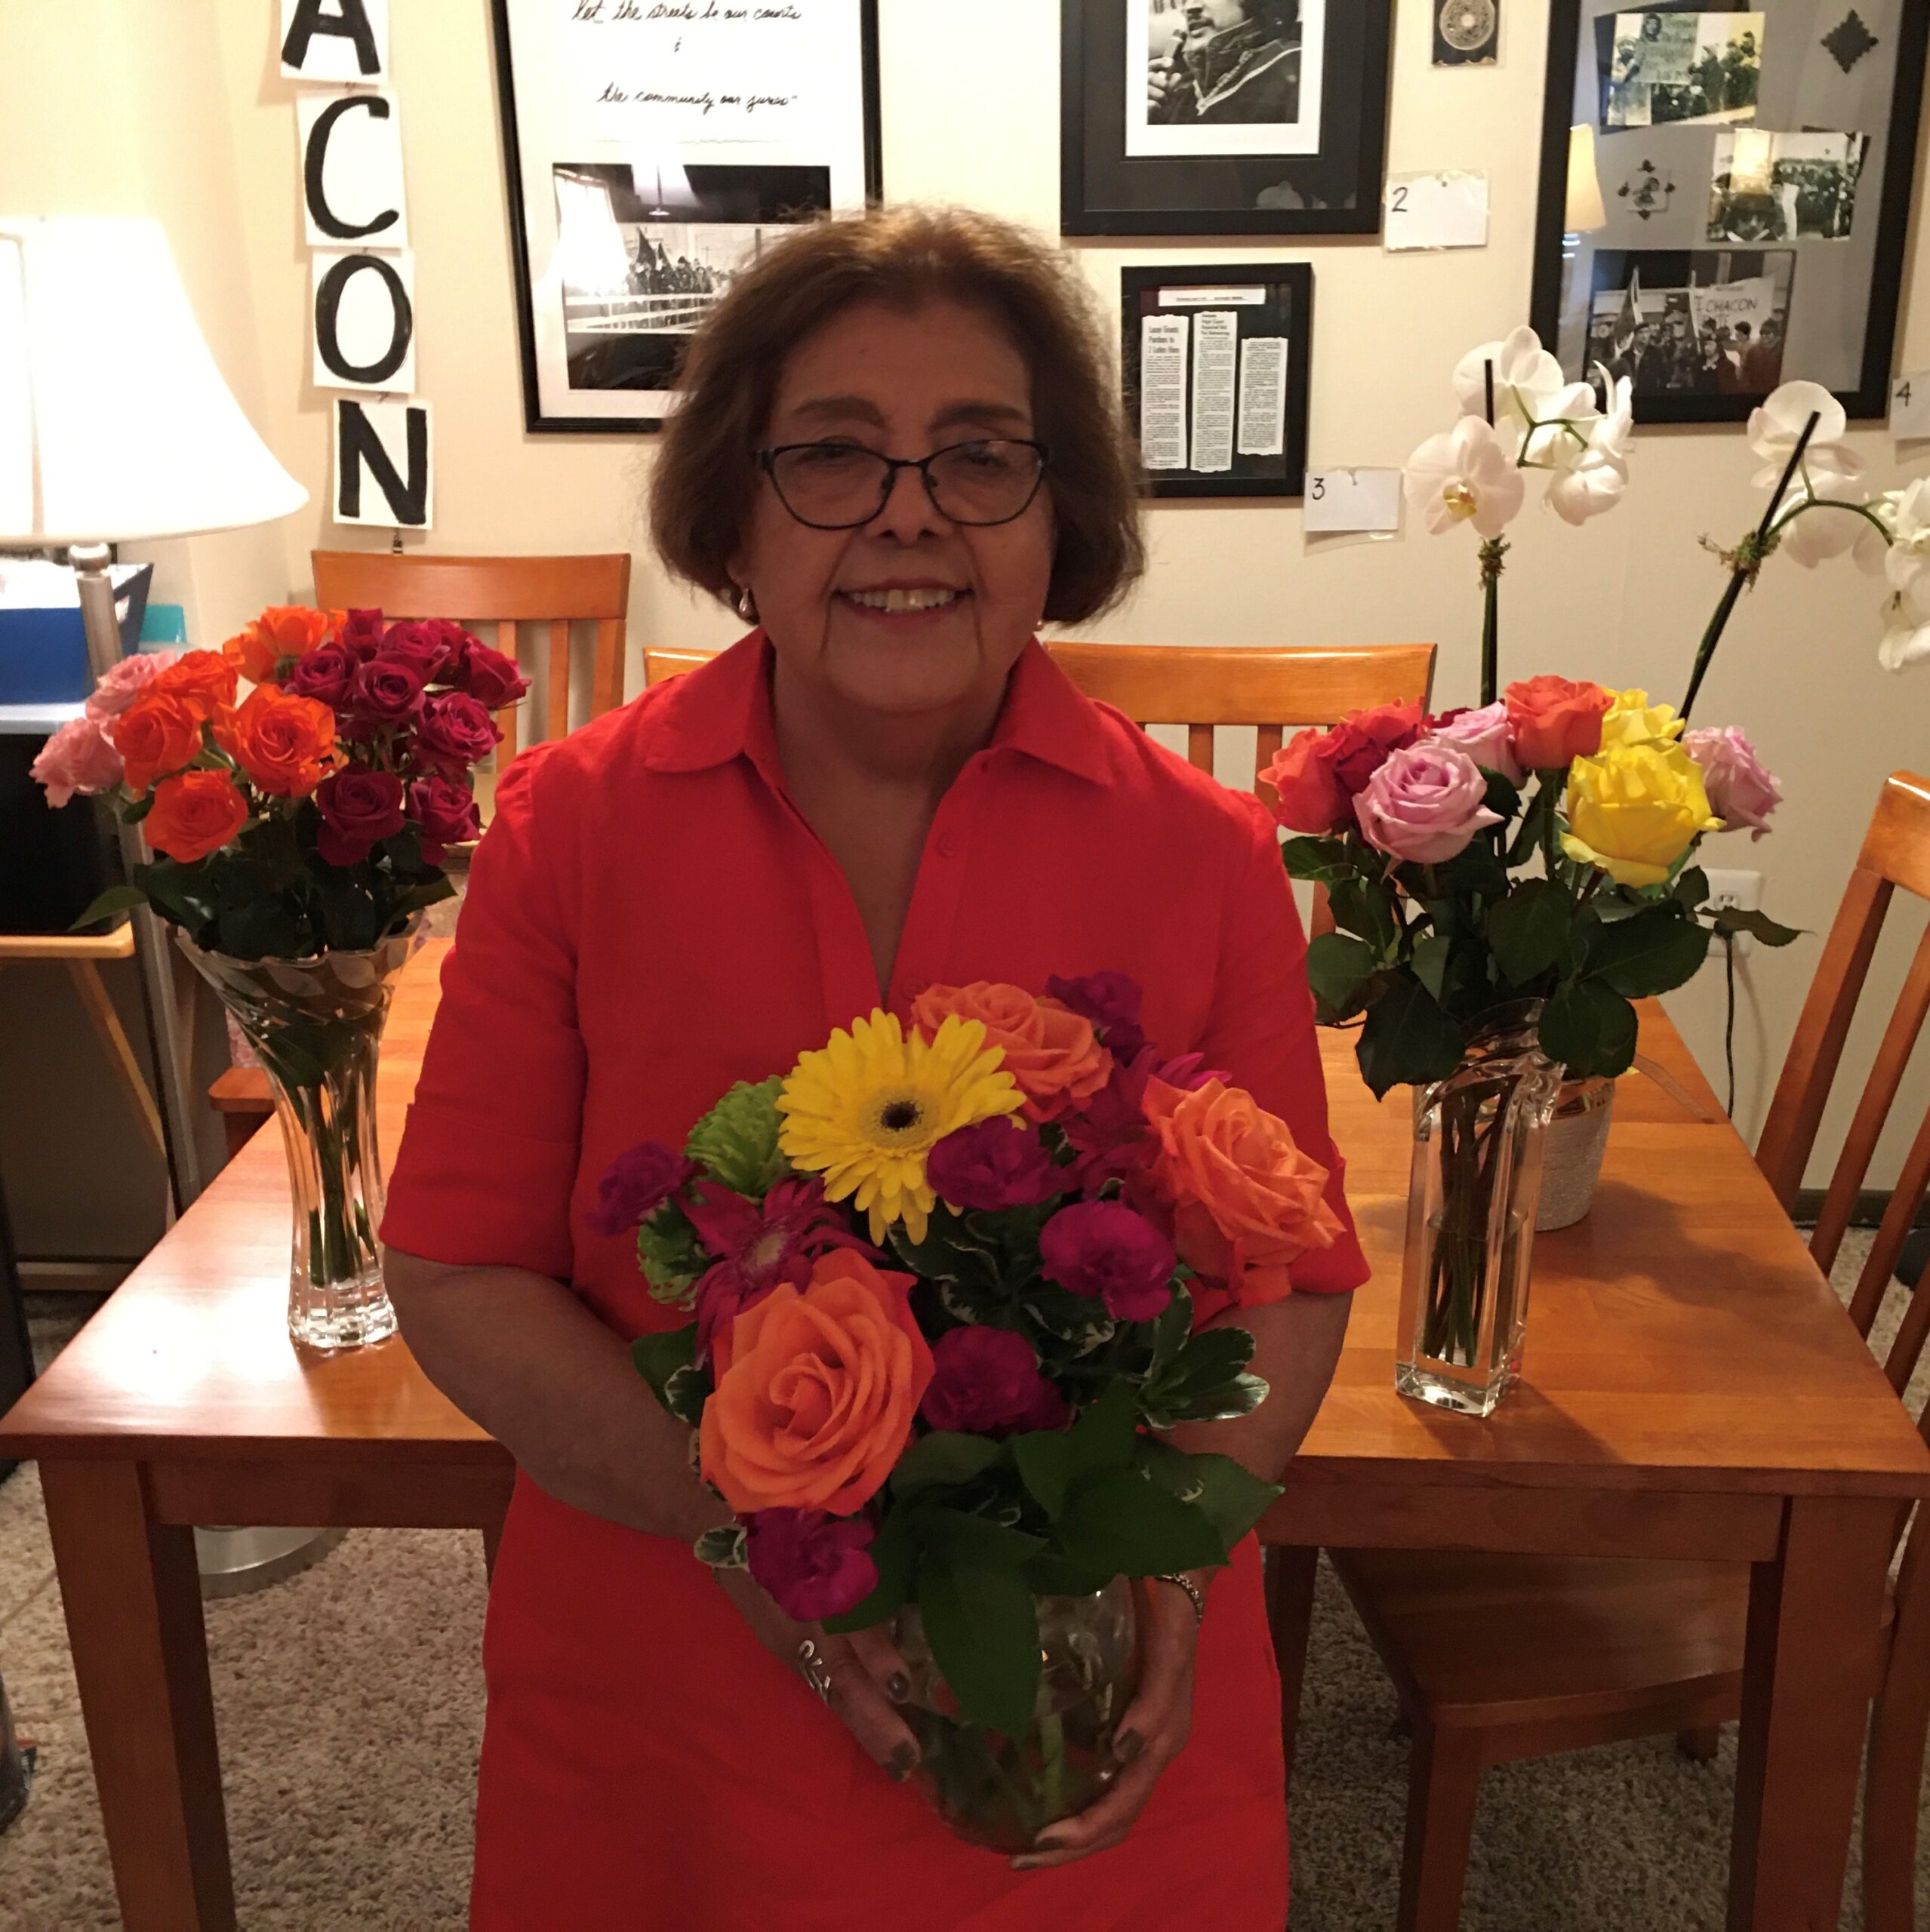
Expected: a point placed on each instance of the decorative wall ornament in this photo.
(1648, 191)
(1849, 40)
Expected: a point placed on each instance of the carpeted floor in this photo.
(349, 1704)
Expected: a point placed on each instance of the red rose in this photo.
(1363, 741)
(447, 813)
(387, 691)
(361, 634)
(425, 649)
(326, 674)
(489, 678)
(359, 808)
(455, 730)
(1307, 796)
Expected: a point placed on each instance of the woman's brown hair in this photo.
(706, 469)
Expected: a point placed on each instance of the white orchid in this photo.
(1467, 475)
(1808, 536)
(1593, 471)
(1906, 631)
(1906, 515)
(1559, 438)
(1777, 426)
(1526, 378)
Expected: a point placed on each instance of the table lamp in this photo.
(116, 425)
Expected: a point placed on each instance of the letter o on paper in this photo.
(327, 308)
(315, 160)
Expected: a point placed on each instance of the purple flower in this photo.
(1111, 1001)
(1106, 1249)
(996, 1164)
(813, 1566)
(1189, 1073)
(986, 1382)
(635, 1184)
(325, 673)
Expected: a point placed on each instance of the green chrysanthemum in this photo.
(736, 1142)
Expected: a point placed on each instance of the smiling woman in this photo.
(898, 451)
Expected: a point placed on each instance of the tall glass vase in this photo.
(1000, 1792)
(1474, 1188)
(315, 1025)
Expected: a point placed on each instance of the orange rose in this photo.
(282, 630)
(1246, 1201)
(286, 744)
(203, 678)
(816, 1391)
(1052, 1053)
(156, 735)
(194, 813)
(1554, 722)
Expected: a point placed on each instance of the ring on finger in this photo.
(814, 1670)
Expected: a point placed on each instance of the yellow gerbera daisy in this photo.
(865, 1109)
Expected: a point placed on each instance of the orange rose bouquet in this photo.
(947, 1288)
(313, 815)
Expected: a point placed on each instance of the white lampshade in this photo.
(114, 423)
(1585, 211)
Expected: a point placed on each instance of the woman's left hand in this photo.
(1152, 1732)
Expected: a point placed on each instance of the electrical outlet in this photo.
(1742, 892)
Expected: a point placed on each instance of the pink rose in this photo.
(1424, 804)
(127, 680)
(1484, 735)
(1742, 793)
(78, 758)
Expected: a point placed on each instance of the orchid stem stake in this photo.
(1492, 551)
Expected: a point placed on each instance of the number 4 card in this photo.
(1910, 408)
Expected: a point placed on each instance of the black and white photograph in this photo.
(639, 264)
(1226, 76)
(1778, 187)
(651, 152)
(1215, 362)
(1467, 33)
(1667, 67)
(1690, 322)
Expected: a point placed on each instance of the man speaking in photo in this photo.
(1233, 61)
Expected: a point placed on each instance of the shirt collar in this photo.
(723, 712)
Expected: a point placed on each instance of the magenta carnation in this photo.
(813, 1566)
(1110, 1251)
(1111, 1001)
(995, 1163)
(635, 1184)
(987, 1382)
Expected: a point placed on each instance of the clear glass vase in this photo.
(1000, 1792)
(1473, 1191)
(315, 1025)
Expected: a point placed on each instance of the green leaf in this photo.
(1337, 967)
(737, 1140)
(1229, 1495)
(1081, 1320)
(1206, 1382)
(984, 1636)
(1526, 929)
(1503, 795)
(1051, 1460)
(1323, 860)
(115, 899)
(722, 1548)
(894, 1550)
(1117, 1520)
(1049, 1574)
(669, 1253)
(945, 1456)
(260, 929)
(1366, 908)
(1430, 962)
(1589, 1029)
(1690, 887)
(1659, 949)
(1757, 924)
(1476, 868)
(1408, 1039)
(667, 1361)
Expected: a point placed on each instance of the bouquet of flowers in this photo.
(313, 815)
(945, 1286)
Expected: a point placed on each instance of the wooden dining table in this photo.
(1691, 1387)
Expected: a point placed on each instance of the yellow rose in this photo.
(1633, 720)
(1634, 810)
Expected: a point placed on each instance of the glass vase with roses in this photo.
(299, 833)
(944, 1289)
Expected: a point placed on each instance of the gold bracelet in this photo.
(1194, 1594)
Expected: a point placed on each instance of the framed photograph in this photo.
(1215, 360)
(1725, 194)
(650, 152)
(1222, 117)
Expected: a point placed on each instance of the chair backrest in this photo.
(1896, 852)
(503, 591)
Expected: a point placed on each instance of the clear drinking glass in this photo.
(1000, 1792)
(315, 1025)
(1473, 1191)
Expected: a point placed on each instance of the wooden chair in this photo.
(506, 592)
(1498, 1658)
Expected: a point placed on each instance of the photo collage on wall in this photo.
(1726, 226)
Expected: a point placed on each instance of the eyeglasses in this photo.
(838, 486)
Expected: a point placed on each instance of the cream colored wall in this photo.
(970, 113)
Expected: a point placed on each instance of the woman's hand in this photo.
(864, 1670)
(1152, 1732)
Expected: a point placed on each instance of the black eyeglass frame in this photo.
(767, 461)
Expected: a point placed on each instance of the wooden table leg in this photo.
(1814, 1620)
(133, 1596)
